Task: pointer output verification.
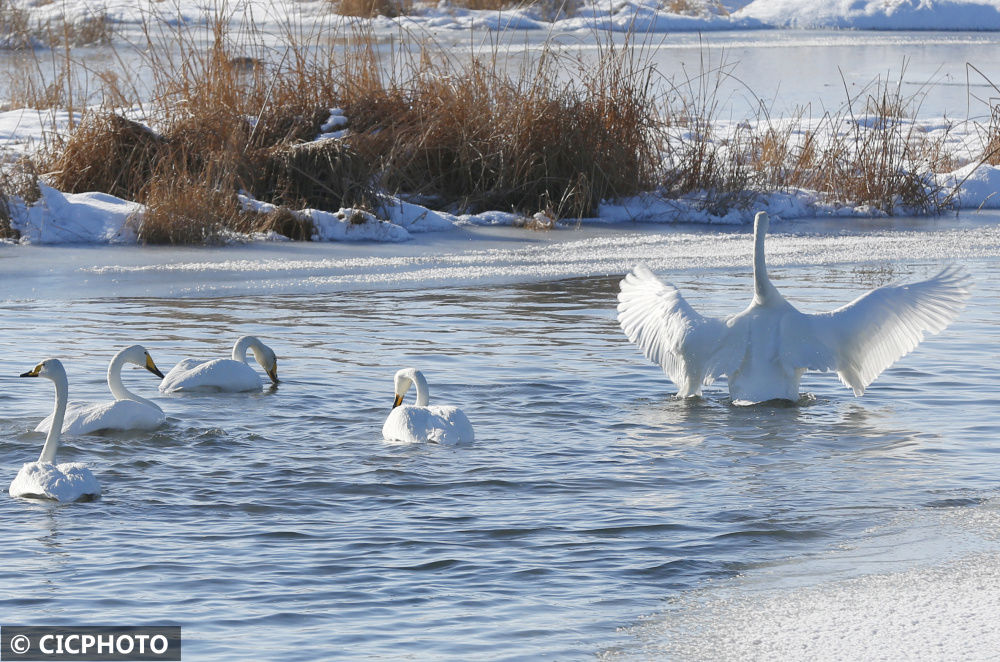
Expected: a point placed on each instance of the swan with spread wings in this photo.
(765, 349)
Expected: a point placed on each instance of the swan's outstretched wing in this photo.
(868, 335)
(655, 316)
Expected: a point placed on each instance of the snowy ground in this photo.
(622, 15)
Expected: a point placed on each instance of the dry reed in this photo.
(475, 136)
(373, 8)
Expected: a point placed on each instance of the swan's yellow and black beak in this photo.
(396, 401)
(152, 366)
(273, 372)
(33, 372)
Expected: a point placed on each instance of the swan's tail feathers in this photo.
(874, 331)
(655, 317)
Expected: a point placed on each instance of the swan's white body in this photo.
(127, 411)
(765, 349)
(224, 375)
(45, 479)
(423, 422)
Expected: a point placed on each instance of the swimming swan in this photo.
(127, 411)
(44, 479)
(226, 375)
(765, 349)
(423, 422)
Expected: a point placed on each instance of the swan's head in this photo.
(402, 382)
(266, 358)
(49, 368)
(760, 222)
(137, 355)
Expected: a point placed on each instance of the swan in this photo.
(423, 422)
(127, 411)
(225, 375)
(765, 349)
(44, 479)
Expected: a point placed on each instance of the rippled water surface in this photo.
(280, 525)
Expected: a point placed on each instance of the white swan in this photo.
(423, 422)
(765, 349)
(127, 411)
(44, 479)
(227, 375)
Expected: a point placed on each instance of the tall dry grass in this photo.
(477, 136)
(226, 123)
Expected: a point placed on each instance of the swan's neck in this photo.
(763, 290)
(58, 414)
(118, 388)
(423, 392)
(247, 343)
(240, 349)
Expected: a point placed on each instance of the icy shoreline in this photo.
(480, 256)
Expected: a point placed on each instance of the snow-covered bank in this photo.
(99, 218)
(640, 16)
(875, 14)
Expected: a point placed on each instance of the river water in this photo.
(593, 515)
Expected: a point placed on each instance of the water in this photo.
(280, 525)
(787, 73)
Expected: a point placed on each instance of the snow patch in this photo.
(353, 225)
(978, 186)
(876, 14)
(335, 126)
(74, 218)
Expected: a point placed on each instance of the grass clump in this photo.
(476, 137)
(323, 174)
(108, 153)
(373, 8)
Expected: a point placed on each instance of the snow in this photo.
(353, 225)
(876, 14)
(978, 186)
(938, 602)
(23, 130)
(413, 217)
(940, 613)
(616, 15)
(74, 218)
(335, 125)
